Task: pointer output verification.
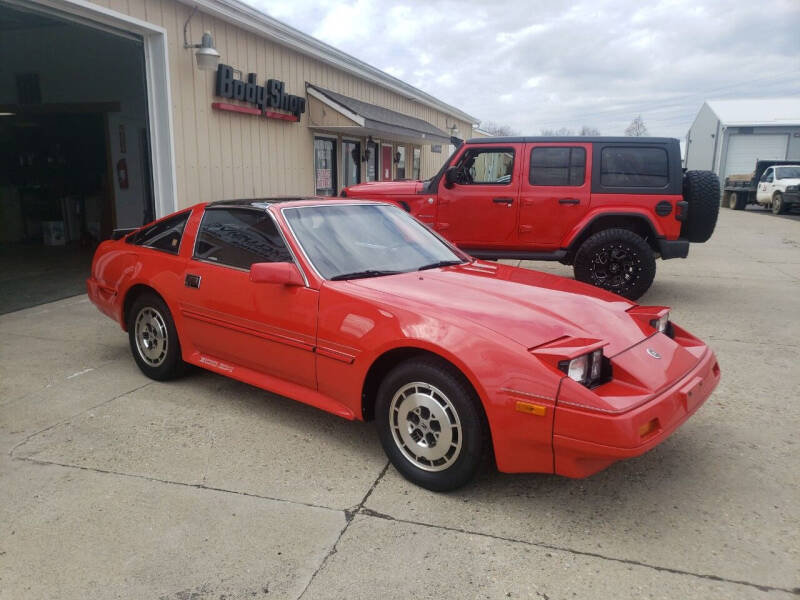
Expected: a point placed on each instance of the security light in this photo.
(207, 56)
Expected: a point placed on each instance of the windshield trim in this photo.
(458, 252)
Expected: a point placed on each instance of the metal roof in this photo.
(375, 115)
(757, 111)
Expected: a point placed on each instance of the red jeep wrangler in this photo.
(608, 206)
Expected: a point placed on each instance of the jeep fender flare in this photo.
(588, 226)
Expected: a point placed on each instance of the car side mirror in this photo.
(281, 273)
(451, 176)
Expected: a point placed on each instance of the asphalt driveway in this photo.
(115, 486)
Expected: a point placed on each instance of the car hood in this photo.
(377, 188)
(528, 307)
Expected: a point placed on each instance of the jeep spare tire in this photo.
(701, 191)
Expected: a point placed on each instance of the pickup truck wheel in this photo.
(617, 260)
(701, 191)
(431, 424)
(736, 202)
(778, 206)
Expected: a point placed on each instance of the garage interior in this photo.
(74, 150)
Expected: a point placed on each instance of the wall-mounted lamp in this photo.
(396, 158)
(207, 56)
(367, 154)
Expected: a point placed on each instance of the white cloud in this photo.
(535, 64)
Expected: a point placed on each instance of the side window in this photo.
(558, 166)
(634, 167)
(770, 176)
(490, 166)
(165, 235)
(239, 237)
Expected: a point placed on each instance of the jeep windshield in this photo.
(351, 241)
(787, 172)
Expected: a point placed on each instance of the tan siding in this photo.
(224, 155)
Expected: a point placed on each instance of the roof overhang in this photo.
(349, 117)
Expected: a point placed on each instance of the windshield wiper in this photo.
(441, 263)
(363, 274)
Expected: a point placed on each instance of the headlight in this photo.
(793, 188)
(587, 369)
(661, 324)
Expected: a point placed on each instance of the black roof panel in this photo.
(588, 138)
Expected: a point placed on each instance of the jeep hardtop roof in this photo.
(589, 138)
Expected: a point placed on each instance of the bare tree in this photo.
(557, 132)
(586, 131)
(637, 128)
(498, 129)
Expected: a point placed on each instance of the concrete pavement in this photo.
(115, 486)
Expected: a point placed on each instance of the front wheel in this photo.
(431, 424)
(778, 206)
(617, 260)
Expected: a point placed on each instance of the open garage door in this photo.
(745, 149)
(74, 150)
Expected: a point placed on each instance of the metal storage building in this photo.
(728, 136)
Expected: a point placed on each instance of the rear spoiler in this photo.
(121, 233)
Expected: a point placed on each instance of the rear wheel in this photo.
(736, 201)
(153, 338)
(617, 260)
(431, 424)
(778, 206)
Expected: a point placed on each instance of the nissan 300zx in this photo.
(356, 308)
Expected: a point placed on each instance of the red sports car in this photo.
(358, 309)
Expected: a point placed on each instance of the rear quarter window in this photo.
(165, 235)
(622, 167)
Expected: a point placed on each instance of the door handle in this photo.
(508, 201)
(569, 201)
(192, 281)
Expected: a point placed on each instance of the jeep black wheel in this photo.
(736, 201)
(701, 191)
(778, 206)
(431, 424)
(617, 260)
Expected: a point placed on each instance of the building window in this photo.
(634, 167)
(558, 166)
(351, 163)
(400, 158)
(490, 166)
(415, 163)
(239, 237)
(325, 166)
(372, 161)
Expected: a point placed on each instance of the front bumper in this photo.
(619, 435)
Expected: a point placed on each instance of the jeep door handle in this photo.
(569, 201)
(508, 201)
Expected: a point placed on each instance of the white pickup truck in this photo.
(774, 184)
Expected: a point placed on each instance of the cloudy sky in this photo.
(535, 65)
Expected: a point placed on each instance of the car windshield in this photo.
(366, 240)
(788, 172)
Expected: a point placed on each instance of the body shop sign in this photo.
(263, 97)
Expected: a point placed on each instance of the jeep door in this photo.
(555, 191)
(765, 186)
(480, 209)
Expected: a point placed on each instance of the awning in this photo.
(336, 113)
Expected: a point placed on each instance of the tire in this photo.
(736, 202)
(431, 424)
(778, 206)
(617, 260)
(154, 339)
(701, 191)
